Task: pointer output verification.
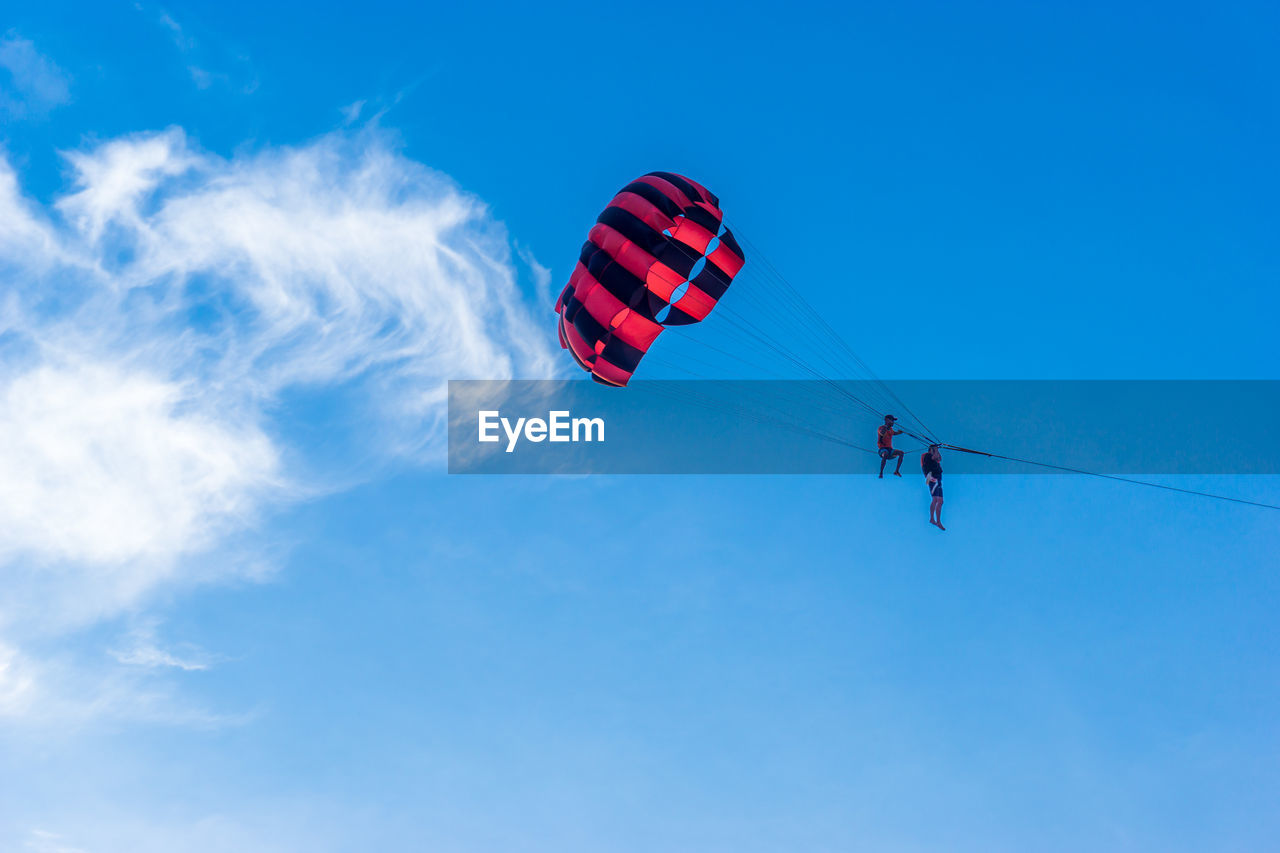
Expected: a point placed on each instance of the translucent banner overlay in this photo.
(788, 427)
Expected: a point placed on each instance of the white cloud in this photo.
(42, 841)
(103, 465)
(181, 40)
(155, 318)
(116, 177)
(202, 78)
(541, 277)
(27, 240)
(345, 256)
(32, 84)
(273, 825)
(351, 112)
(219, 65)
(59, 692)
(17, 682)
(144, 650)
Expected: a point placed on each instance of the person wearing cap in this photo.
(931, 464)
(884, 441)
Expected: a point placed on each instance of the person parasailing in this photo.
(931, 465)
(884, 441)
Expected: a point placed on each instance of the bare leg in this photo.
(896, 471)
(935, 513)
(882, 461)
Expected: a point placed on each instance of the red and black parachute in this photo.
(658, 256)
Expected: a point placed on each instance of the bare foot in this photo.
(938, 524)
(897, 473)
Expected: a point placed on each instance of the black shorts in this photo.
(935, 488)
(887, 452)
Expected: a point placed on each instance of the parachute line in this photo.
(1132, 480)
(792, 317)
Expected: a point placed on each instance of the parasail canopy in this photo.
(659, 255)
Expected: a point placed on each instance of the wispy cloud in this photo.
(17, 682)
(144, 649)
(181, 39)
(202, 63)
(351, 112)
(104, 463)
(271, 825)
(30, 83)
(541, 276)
(43, 841)
(157, 316)
(58, 692)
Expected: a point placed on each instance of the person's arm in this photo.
(898, 432)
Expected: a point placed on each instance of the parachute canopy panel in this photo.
(659, 255)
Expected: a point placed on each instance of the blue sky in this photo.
(245, 608)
